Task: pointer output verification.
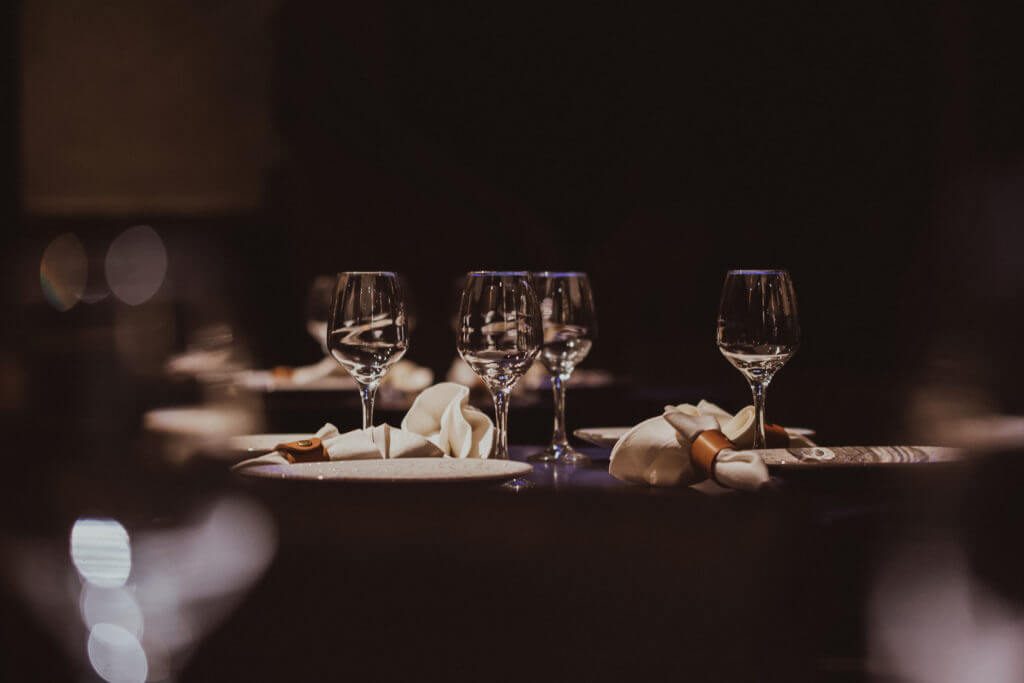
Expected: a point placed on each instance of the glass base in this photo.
(560, 453)
(518, 484)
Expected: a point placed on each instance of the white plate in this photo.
(400, 470)
(607, 436)
(261, 443)
(601, 436)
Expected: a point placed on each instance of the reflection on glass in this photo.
(570, 326)
(758, 330)
(367, 330)
(499, 336)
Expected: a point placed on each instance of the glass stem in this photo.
(558, 389)
(500, 449)
(758, 388)
(368, 393)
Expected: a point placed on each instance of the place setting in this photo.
(442, 438)
(511, 321)
(757, 331)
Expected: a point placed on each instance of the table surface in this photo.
(578, 577)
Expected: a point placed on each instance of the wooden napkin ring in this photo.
(776, 436)
(304, 450)
(706, 447)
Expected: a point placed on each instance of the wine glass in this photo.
(318, 308)
(499, 335)
(758, 330)
(366, 330)
(570, 326)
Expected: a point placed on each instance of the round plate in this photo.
(857, 456)
(607, 436)
(601, 436)
(255, 444)
(400, 470)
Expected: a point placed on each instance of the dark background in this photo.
(871, 148)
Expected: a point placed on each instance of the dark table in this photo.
(579, 577)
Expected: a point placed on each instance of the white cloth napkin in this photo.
(311, 373)
(461, 373)
(741, 469)
(408, 377)
(738, 428)
(657, 451)
(383, 441)
(440, 423)
(443, 415)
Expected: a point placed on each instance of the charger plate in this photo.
(857, 457)
(397, 471)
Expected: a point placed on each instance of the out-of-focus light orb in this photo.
(63, 271)
(101, 552)
(136, 265)
(116, 655)
(111, 606)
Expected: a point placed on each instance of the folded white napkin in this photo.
(311, 373)
(738, 428)
(408, 377)
(461, 373)
(443, 415)
(735, 469)
(440, 423)
(657, 451)
(383, 441)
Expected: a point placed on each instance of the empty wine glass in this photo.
(570, 326)
(758, 330)
(499, 335)
(318, 308)
(366, 330)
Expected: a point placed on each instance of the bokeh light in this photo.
(63, 271)
(111, 606)
(136, 265)
(101, 552)
(116, 655)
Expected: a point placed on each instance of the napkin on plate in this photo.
(443, 415)
(657, 451)
(383, 441)
(311, 373)
(408, 377)
(738, 428)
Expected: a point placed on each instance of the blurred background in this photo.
(874, 150)
(179, 173)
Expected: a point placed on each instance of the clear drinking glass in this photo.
(570, 327)
(366, 330)
(318, 308)
(499, 335)
(758, 330)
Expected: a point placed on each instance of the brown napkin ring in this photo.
(304, 450)
(776, 436)
(706, 447)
